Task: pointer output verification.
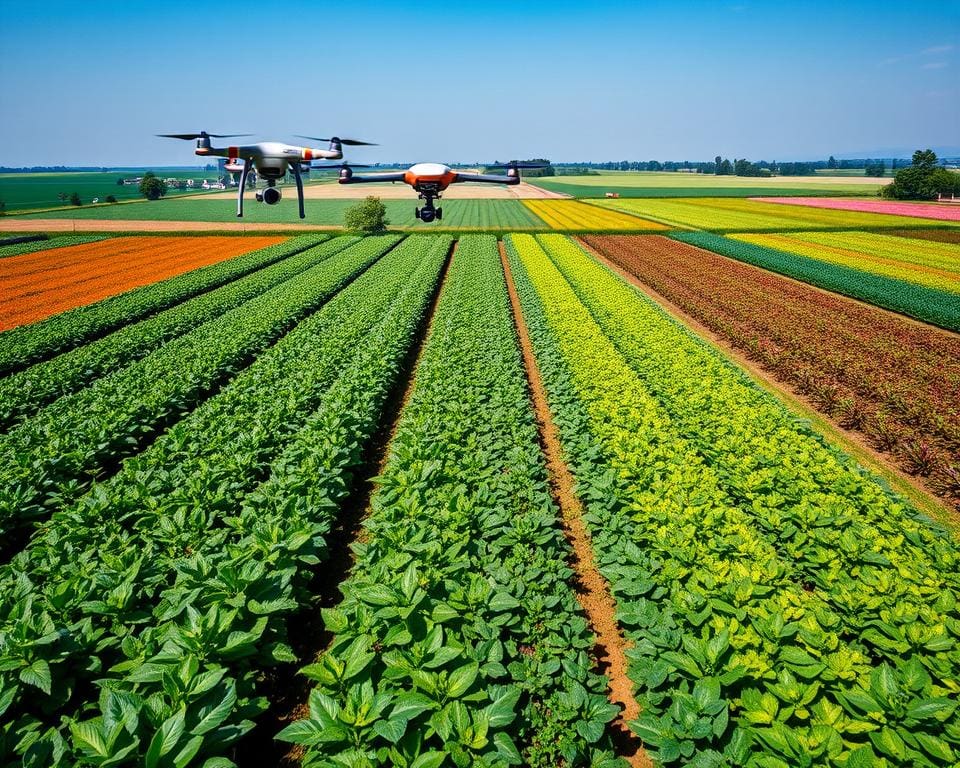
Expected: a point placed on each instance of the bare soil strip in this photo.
(852, 442)
(307, 634)
(593, 592)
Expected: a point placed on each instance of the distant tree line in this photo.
(739, 167)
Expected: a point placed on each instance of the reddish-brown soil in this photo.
(936, 235)
(37, 285)
(892, 382)
(593, 592)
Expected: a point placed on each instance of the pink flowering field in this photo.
(942, 211)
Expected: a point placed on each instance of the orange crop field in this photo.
(37, 285)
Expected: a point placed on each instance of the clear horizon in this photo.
(89, 84)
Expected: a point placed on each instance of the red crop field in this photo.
(37, 285)
(895, 381)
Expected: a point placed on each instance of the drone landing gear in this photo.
(243, 185)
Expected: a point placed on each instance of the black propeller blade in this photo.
(201, 135)
(338, 165)
(515, 164)
(348, 142)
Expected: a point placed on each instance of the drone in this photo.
(270, 158)
(431, 179)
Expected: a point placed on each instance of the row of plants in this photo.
(140, 622)
(894, 381)
(743, 215)
(935, 265)
(62, 241)
(785, 609)
(923, 303)
(50, 459)
(25, 392)
(25, 345)
(571, 214)
(458, 640)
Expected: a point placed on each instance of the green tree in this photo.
(716, 165)
(832, 162)
(369, 215)
(151, 187)
(925, 158)
(110, 199)
(923, 180)
(75, 199)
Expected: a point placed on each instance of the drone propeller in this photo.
(515, 164)
(337, 165)
(348, 142)
(201, 135)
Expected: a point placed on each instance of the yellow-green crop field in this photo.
(936, 265)
(573, 215)
(713, 213)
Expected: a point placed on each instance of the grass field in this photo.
(485, 214)
(21, 191)
(653, 184)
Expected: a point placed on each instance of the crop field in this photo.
(933, 305)
(895, 382)
(45, 282)
(922, 210)
(725, 215)
(461, 214)
(433, 501)
(656, 184)
(21, 191)
(571, 215)
(936, 265)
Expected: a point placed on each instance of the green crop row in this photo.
(50, 459)
(25, 345)
(25, 392)
(170, 586)
(459, 641)
(785, 609)
(930, 304)
(19, 249)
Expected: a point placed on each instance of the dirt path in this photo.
(312, 637)
(593, 592)
(852, 442)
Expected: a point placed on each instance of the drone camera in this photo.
(270, 196)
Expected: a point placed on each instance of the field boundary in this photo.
(850, 442)
(591, 589)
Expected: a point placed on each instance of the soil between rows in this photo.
(592, 590)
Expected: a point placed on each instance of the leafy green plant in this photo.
(771, 588)
(185, 567)
(459, 641)
(25, 345)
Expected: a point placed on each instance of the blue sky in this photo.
(89, 83)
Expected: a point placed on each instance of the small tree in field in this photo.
(75, 199)
(369, 215)
(151, 187)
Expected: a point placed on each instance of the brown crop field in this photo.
(895, 381)
(36, 285)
